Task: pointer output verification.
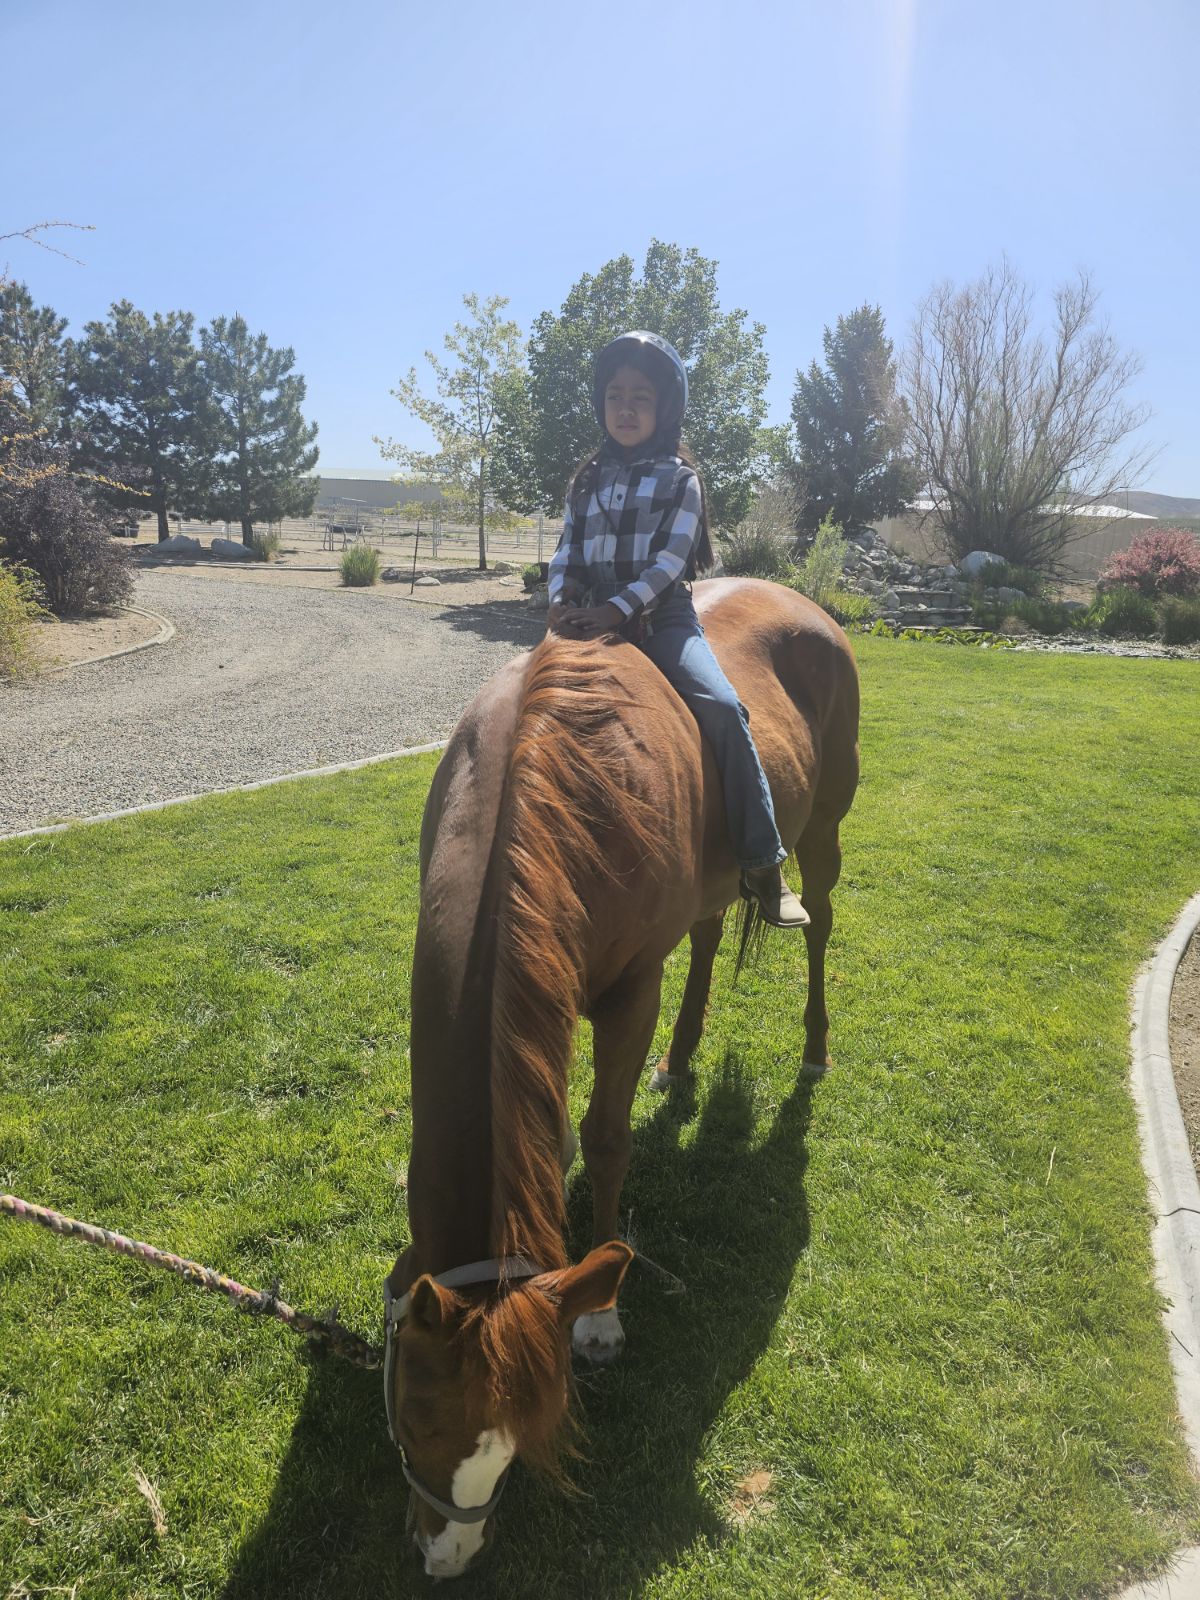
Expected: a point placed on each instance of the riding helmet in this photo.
(646, 351)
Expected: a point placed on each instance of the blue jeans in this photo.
(680, 651)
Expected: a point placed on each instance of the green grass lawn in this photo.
(919, 1330)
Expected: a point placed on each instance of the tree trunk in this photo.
(164, 527)
(482, 539)
(247, 531)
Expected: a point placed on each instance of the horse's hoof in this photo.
(661, 1081)
(598, 1337)
(810, 1071)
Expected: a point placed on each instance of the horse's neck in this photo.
(449, 1177)
(454, 1212)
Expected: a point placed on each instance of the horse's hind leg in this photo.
(689, 1025)
(819, 855)
(623, 1022)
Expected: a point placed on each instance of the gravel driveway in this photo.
(257, 681)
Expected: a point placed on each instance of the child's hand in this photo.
(590, 622)
(556, 617)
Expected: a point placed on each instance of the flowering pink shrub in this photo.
(1163, 561)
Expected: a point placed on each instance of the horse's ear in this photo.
(431, 1307)
(593, 1284)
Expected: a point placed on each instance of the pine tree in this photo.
(33, 355)
(850, 429)
(264, 448)
(139, 410)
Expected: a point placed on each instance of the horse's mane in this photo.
(567, 788)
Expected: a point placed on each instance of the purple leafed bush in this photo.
(1161, 562)
(51, 525)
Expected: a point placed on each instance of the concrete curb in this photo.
(237, 788)
(1175, 1196)
(166, 631)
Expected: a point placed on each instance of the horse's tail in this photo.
(751, 936)
(564, 793)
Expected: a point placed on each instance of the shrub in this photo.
(1123, 611)
(1027, 579)
(1181, 621)
(20, 608)
(531, 575)
(819, 573)
(51, 525)
(266, 544)
(1161, 562)
(360, 565)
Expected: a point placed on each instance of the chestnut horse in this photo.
(574, 833)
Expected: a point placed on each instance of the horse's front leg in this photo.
(623, 1022)
(689, 1025)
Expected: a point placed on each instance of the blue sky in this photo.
(342, 174)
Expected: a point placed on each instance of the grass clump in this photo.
(360, 566)
(1123, 612)
(849, 607)
(1180, 621)
(265, 543)
(20, 607)
(761, 545)
(1046, 616)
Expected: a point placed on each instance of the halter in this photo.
(495, 1270)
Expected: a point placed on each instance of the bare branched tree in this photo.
(1018, 434)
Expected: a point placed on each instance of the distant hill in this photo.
(1162, 506)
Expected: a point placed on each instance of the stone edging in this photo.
(1175, 1197)
(166, 631)
(236, 788)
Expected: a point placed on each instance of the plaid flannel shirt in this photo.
(654, 507)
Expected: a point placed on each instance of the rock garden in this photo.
(1145, 601)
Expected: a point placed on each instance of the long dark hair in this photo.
(586, 476)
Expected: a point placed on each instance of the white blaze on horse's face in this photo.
(449, 1553)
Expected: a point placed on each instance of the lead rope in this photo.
(324, 1330)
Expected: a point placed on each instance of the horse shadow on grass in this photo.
(728, 1217)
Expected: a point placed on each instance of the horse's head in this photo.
(478, 1382)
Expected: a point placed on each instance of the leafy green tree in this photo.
(850, 429)
(462, 418)
(33, 355)
(140, 412)
(263, 448)
(548, 423)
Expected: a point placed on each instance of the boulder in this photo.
(1007, 595)
(1075, 606)
(232, 550)
(393, 574)
(179, 542)
(428, 581)
(977, 563)
(872, 586)
(501, 569)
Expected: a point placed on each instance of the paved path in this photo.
(258, 681)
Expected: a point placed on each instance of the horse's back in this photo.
(794, 671)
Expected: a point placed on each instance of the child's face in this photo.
(630, 406)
